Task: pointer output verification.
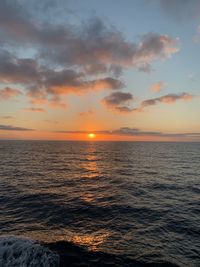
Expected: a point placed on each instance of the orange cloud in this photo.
(89, 112)
(126, 133)
(170, 98)
(157, 87)
(8, 92)
(34, 109)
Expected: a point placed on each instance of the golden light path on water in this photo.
(92, 240)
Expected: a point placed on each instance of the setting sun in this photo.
(91, 135)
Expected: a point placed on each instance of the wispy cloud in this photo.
(157, 87)
(51, 121)
(196, 37)
(7, 93)
(34, 109)
(123, 102)
(170, 98)
(7, 117)
(126, 131)
(13, 128)
(85, 113)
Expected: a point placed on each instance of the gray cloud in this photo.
(97, 48)
(119, 101)
(122, 102)
(126, 131)
(70, 58)
(170, 98)
(181, 9)
(118, 98)
(15, 70)
(13, 128)
(93, 46)
(34, 109)
(40, 82)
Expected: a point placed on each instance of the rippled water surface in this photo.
(137, 199)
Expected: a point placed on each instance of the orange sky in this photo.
(128, 77)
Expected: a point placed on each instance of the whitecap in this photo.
(23, 252)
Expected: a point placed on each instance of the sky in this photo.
(100, 70)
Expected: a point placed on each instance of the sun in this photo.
(91, 135)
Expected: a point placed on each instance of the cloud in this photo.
(67, 58)
(97, 48)
(84, 113)
(51, 121)
(13, 128)
(170, 98)
(65, 81)
(157, 87)
(7, 93)
(93, 46)
(34, 109)
(16, 70)
(127, 131)
(181, 9)
(152, 47)
(44, 83)
(118, 98)
(119, 101)
(122, 102)
(7, 117)
(196, 37)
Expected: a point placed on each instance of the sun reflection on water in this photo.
(92, 241)
(90, 163)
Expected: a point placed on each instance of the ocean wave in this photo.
(74, 256)
(22, 252)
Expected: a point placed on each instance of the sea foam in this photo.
(22, 252)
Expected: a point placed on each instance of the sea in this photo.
(137, 200)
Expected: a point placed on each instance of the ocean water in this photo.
(139, 199)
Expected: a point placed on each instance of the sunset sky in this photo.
(120, 69)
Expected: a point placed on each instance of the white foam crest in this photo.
(22, 252)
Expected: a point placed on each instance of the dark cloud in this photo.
(42, 82)
(170, 98)
(97, 48)
(125, 109)
(13, 128)
(16, 70)
(67, 58)
(122, 102)
(62, 82)
(118, 98)
(94, 47)
(119, 101)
